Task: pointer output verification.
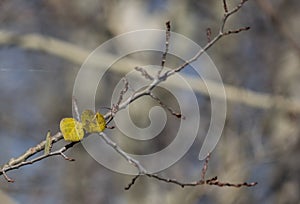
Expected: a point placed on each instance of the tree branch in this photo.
(129, 159)
(23, 159)
(123, 103)
(212, 181)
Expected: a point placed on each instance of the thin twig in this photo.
(132, 182)
(205, 167)
(129, 159)
(208, 34)
(164, 56)
(14, 164)
(221, 34)
(212, 181)
(178, 115)
(225, 6)
(75, 108)
(144, 73)
(236, 31)
(121, 95)
(236, 185)
(115, 107)
(6, 177)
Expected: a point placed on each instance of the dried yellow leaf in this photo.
(71, 129)
(92, 122)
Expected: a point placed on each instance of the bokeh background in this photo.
(258, 144)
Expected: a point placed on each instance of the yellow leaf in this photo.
(92, 122)
(48, 143)
(71, 129)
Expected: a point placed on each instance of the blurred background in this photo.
(36, 83)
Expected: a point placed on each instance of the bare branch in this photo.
(212, 181)
(215, 182)
(123, 91)
(130, 160)
(208, 34)
(178, 115)
(7, 178)
(205, 167)
(29, 153)
(132, 182)
(22, 161)
(144, 73)
(221, 34)
(225, 6)
(75, 108)
(65, 157)
(236, 31)
(115, 107)
(163, 60)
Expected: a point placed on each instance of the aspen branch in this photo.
(212, 181)
(122, 103)
(129, 159)
(221, 34)
(22, 160)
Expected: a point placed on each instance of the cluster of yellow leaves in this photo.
(91, 122)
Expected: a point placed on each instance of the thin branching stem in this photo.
(122, 103)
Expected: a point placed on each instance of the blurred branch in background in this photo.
(77, 55)
(279, 24)
(6, 199)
